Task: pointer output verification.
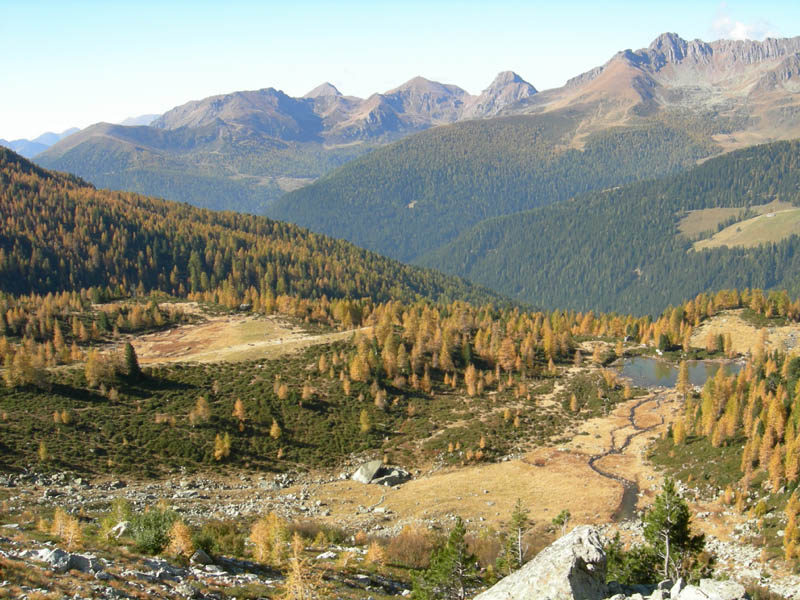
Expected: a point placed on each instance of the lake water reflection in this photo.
(652, 372)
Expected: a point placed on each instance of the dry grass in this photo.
(744, 336)
(547, 480)
(229, 338)
(767, 227)
(707, 219)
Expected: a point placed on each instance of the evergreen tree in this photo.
(452, 571)
(131, 361)
(667, 529)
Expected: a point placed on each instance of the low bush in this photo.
(220, 538)
(411, 548)
(150, 529)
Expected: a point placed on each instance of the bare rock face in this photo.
(507, 89)
(571, 568)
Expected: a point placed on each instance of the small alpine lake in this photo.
(650, 372)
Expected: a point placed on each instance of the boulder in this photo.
(571, 568)
(201, 558)
(367, 472)
(61, 561)
(57, 559)
(394, 477)
(677, 588)
(691, 592)
(710, 589)
(84, 563)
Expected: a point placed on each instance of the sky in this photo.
(73, 63)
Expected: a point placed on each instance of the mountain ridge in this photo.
(244, 150)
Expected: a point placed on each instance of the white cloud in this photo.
(726, 27)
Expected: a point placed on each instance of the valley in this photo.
(528, 344)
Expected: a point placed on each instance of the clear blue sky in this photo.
(69, 63)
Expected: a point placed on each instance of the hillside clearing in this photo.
(745, 336)
(229, 338)
(700, 221)
(764, 228)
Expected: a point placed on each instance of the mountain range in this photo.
(246, 149)
(408, 172)
(243, 150)
(30, 148)
(643, 114)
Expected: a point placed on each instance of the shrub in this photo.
(412, 548)
(220, 537)
(150, 529)
(311, 530)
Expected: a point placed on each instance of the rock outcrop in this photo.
(574, 568)
(571, 568)
(375, 472)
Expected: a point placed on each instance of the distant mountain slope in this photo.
(418, 194)
(621, 249)
(30, 148)
(60, 233)
(243, 150)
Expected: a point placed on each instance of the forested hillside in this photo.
(420, 193)
(621, 249)
(61, 234)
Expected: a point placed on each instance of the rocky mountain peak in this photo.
(323, 90)
(506, 89)
(419, 85)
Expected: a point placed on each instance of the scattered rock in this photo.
(61, 561)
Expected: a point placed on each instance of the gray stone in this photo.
(723, 590)
(658, 595)
(57, 558)
(84, 563)
(367, 472)
(692, 592)
(201, 558)
(571, 568)
(395, 477)
(61, 561)
(677, 588)
(665, 585)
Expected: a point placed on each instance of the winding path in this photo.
(630, 492)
